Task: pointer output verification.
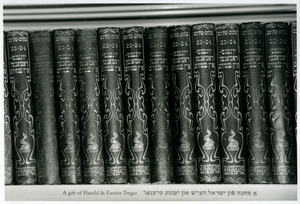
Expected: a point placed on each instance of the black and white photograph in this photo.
(150, 101)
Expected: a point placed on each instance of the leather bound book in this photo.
(158, 75)
(8, 142)
(90, 118)
(112, 91)
(44, 107)
(182, 109)
(138, 156)
(204, 65)
(230, 103)
(277, 40)
(255, 90)
(68, 111)
(23, 133)
(294, 67)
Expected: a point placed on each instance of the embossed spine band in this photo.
(204, 67)
(255, 90)
(162, 162)
(67, 98)
(136, 103)
(277, 38)
(112, 105)
(22, 111)
(230, 102)
(44, 107)
(90, 118)
(8, 153)
(183, 117)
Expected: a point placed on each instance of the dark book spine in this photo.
(162, 162)
(22, 112)
(294, 65)
(8, 154)
(277, 37)
(136, 116)
(44, 107)
(230, 101)
(89, 91)
(204, 65)
(112, 103)
(68, 118)
(255, 89)
(182, 91)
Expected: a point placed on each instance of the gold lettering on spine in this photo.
(112, 103)
(135, 90)
(22, 114)
(231, 117)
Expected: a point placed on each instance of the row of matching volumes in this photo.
(186, 104)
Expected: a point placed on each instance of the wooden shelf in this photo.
(80, 16)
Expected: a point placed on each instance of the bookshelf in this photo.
(52, 16)
(48, 17)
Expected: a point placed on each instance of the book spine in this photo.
(279, 91)
(89, 91)
(8, 155)
(255, 89)
(231, 116)
(182, 91)
(68, 119)
(44, 107)
(136, 115)
(112, 103)
(162, 162)
(294, 65)
(22, 113)
(204, 65)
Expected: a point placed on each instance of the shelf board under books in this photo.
(146, 192)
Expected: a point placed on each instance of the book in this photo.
(294, 65)
(204, 67)
(112, 94)
(158, 75)
(68, 111)
(182, 109)
(23, 132)
(42, 69)
(184, 104)
(8, 153)
(255, 92)
(138, 157)
(90, 118)
(230, 103)
(277, 40)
